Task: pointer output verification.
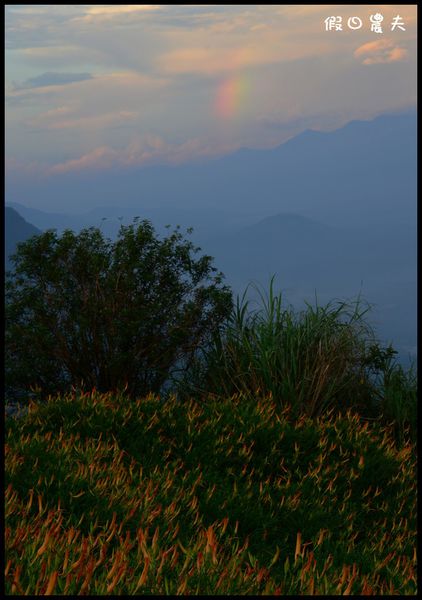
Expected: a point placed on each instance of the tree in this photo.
(86, 312)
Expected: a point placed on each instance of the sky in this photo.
(89, 87)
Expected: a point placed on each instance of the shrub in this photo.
(83, 311)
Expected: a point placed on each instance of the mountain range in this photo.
(364, 172)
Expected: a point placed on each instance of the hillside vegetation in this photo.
(179, 444)
(225, 496)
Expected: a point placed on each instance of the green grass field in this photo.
(225, 496)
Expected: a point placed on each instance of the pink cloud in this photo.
(147, 150)
(380, 51)
(97, 13)
(102, 157)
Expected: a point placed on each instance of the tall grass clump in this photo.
(313, 360)
(397, 391)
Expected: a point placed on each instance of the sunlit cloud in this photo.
(144, 150)
(100, 158)
(212, 61)
(97, 14)
(107, 9)
(380, 51)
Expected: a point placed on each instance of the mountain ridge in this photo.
(364, 171)
(17, 229)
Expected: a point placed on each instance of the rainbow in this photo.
(231, 95)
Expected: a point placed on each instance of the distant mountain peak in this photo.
(16, 230)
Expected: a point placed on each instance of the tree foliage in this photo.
(83, 311)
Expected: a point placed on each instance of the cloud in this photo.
(258, 26)
(98, 13)
(47, 79)
(22, 98)
(380, 51)
(100, 158)
(145, 150)
(52, 119)
(60, 55)
(213, 61)
(224, 42)
(108, 9)
(97, 101)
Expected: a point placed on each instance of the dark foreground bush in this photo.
(230, 496)
(82, 311)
